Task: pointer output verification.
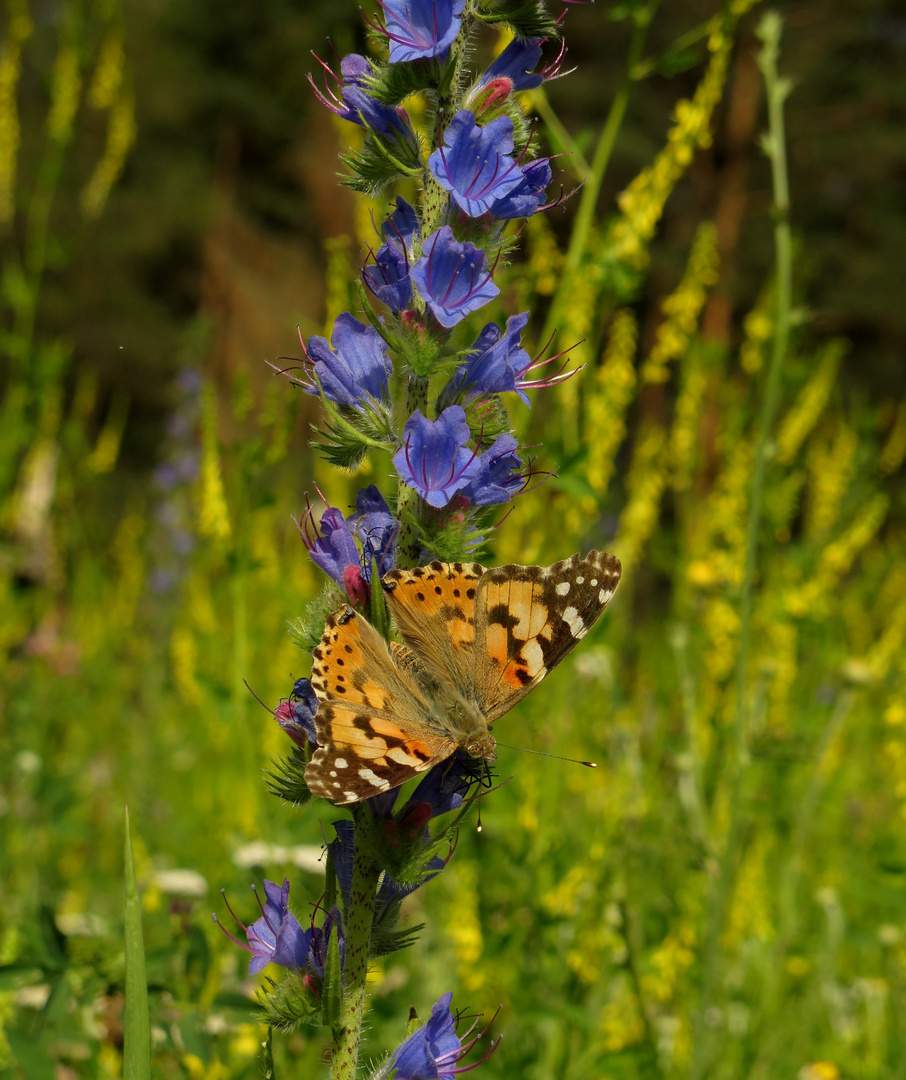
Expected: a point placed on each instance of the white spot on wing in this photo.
(580, 580)
(604, 595)
(574, 621)
(562, 588)
(341, 763)
(372, 778)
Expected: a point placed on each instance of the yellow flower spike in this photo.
(838, 557)
(609, 399)
(213, 515)
(130, 577)
(684, 306)
(108, 72)
(545, 258)
(18, 29)
(642, 204)
(683, 440)
(895, 448)
(121, 131)
(337, 278)
(645, 486)
(465, 927)
(64, 95)
(810, 403)
(184, 659)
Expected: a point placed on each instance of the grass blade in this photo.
(136, 1025)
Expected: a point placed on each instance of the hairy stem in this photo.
(357, 923)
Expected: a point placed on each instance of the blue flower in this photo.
(498, 476)
(376, 528)
(389, 279)
(296, 715)
(477, 166)
(421, 28)
(332, 546)
(277, 936)
(434, 1051)
(435, 460)
(516, 63)
(353, 367)
(356, 104)
(528, 196)
(495, 365)
(452, 278)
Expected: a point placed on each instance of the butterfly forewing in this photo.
(529, 617)
(373, 724)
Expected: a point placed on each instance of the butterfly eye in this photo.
(474, 749)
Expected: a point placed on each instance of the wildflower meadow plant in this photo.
(403, 380)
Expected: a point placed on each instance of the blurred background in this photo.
(169, 212)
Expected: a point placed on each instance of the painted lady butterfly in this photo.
(476, 641)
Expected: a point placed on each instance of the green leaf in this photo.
(136, 1025)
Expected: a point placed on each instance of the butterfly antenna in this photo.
(543, 753)
(258, 699)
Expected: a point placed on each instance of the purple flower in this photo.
(296, 715)
(452, 278)
(498, 477)
(477, 166)
(495, 365)
(356, 104)
(435, 1050)
(528, 196)
(388, 279)
(277, 937)
(421, 28)
(435, 460)
(332, 546)
(516, 63)
(354, 367)
(376, 528)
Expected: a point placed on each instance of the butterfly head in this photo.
(483, 746)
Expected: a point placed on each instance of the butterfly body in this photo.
(477, 640)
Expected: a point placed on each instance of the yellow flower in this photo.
(645, 486)
(64, 98)
(121, 131)
(609, 399)
(895, 448)
(683, 307)
(810, 402)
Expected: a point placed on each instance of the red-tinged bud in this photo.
(415, 817)
(312, 985)
(355, 586)
(492, 96)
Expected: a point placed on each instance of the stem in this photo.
(589, 199)
(357, 925)
(775, 146)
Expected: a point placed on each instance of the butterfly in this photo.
(477, 640)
